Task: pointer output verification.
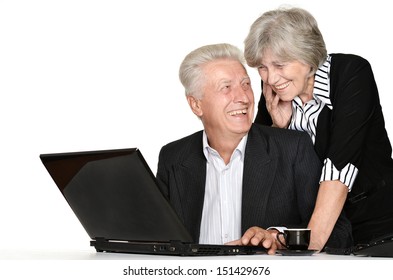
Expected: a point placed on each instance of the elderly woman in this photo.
(334, 98)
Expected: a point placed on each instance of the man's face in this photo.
(227, 106)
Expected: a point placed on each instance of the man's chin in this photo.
(243, 129)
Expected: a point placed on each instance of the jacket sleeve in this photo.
(307, 173)
(163, 174)
(355, 100)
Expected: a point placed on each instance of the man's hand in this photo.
(257, 236)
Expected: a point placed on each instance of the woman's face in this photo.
(288, 79)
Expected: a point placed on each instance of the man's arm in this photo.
(330, 202)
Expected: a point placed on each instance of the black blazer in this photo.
(354, 132)
(280, 179)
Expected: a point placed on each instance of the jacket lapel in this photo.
(190, 174)
(260, 165)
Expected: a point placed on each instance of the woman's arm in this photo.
(330, 201)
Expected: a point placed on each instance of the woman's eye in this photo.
(281, 65)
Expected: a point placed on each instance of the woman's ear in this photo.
(195, 105)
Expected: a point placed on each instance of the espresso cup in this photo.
(295, 239)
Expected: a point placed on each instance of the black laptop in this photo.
(116, 198)
(378, 247)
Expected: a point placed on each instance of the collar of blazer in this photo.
(260, 165)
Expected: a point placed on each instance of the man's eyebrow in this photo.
(228, 81)
(224, 81)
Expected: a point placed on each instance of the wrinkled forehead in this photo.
(224, 67)
(271, 54)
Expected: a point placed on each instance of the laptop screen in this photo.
(115, 196)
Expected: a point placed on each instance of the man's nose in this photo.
(241, 95)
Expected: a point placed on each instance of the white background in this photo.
(85, 75)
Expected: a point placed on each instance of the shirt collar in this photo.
(241, 147)
(321, 91)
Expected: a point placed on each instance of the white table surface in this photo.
(88, 264)
(91, 254)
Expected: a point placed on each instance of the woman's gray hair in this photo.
(290, 34)
(191, 69)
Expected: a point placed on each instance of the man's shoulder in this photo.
(280, 138)
(269, 131)
(183, 145)
(280, 142)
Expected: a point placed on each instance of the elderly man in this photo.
(234, 179)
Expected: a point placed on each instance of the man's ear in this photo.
(195, 105)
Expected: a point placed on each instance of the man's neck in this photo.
(225, 145)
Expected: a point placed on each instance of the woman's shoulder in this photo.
(347, 59)
(346, 66)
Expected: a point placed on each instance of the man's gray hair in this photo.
(191, 69)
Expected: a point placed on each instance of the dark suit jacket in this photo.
(280, 178)
(354, 132)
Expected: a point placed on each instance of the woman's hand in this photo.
(280, 111)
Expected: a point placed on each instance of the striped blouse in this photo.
(305, 118)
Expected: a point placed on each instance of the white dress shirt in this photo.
(221, 216)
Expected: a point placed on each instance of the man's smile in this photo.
(238, 112)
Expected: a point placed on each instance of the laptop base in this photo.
(176, 248)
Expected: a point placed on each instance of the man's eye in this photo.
(246, 86)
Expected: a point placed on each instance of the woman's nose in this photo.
(269, 76)
(272, 77)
